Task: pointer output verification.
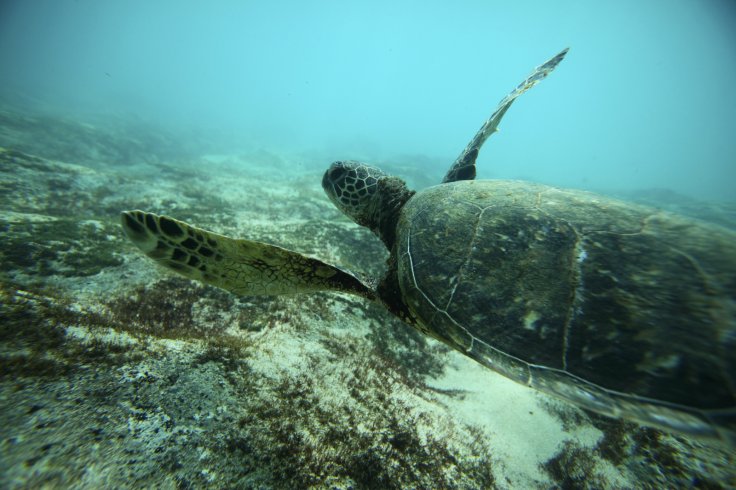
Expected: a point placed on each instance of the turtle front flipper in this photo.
(464, 166)
(243, 267)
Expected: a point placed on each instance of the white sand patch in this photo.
(523, 433)
(281, 350)
(107, 335)
(11, 217)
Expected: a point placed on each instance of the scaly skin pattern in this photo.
(243, 267)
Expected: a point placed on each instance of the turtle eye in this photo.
(337, 173)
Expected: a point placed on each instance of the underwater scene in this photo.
(367, 245)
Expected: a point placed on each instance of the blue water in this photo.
(644, 98)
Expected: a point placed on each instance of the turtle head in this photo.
(367, 196)
(352, 187)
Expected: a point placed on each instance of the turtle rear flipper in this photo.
(243, 267)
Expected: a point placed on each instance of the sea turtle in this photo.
(618, 308)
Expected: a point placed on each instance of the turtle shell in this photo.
(619, 308)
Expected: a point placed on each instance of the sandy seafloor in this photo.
(114, 373)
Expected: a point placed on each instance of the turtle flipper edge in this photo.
(464, 166)
(243, 267)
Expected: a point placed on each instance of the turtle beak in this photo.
(332, 176)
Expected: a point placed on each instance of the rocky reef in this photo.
(116, 374)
